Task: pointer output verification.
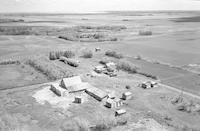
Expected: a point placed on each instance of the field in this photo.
(163, 52)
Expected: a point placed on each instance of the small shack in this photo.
(126, 95)
(71, 81)
(96, 93)
(78, 99)
(120, 112)
(57, 89)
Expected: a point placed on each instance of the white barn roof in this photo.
(71, 81)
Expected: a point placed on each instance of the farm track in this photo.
(180, 91)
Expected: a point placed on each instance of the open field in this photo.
(31, 48)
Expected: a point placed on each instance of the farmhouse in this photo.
(110, 103)
(58, 90)
(113, 103)
(67, 82)
(96, 93)
(118, 102)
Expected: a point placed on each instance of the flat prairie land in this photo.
(160, 45)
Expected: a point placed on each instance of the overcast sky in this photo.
(78, 6)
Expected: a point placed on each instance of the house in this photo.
(113, 103)
(110, 103)
(57, 89)
(120, 112)
(71, 81)
(118, 102)
(126, 95)
(78, 87)
(78, 99)
(98, 94)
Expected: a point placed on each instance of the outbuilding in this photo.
(126, 95)
(78, 99)
(120, 112)
(78, 87)
(58, 90)
(71, 81)
(97, 93)
(110, 103)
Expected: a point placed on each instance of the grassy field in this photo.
(30, 48)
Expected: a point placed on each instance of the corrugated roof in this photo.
(97, 92)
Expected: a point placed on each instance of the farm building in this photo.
(78, 99)
(79, 87)
(113, 103)
(58, 90)
(149, 84)
(96, 93)
(118, 102)
(120, 112)
(110, 103)
(127, 95)
(71, 81)
(99, 69)
(97, 49)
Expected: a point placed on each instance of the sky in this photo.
(83, 6)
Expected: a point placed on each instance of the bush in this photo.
(104, 61)
(47, 68)
(69, 54)
(127, 66)
(148, 75)
(87, 54)
(9, 62)
(54, 55)
(69, 37)
(114, 54)
(145, 33)
(76, 124)
(105, 122)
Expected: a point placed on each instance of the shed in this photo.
(127, 95)
(120, 112)
(57, 89)
(78, 87)
(71, 81)
(78, 99)
(98, 94)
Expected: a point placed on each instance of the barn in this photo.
(96, 93)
